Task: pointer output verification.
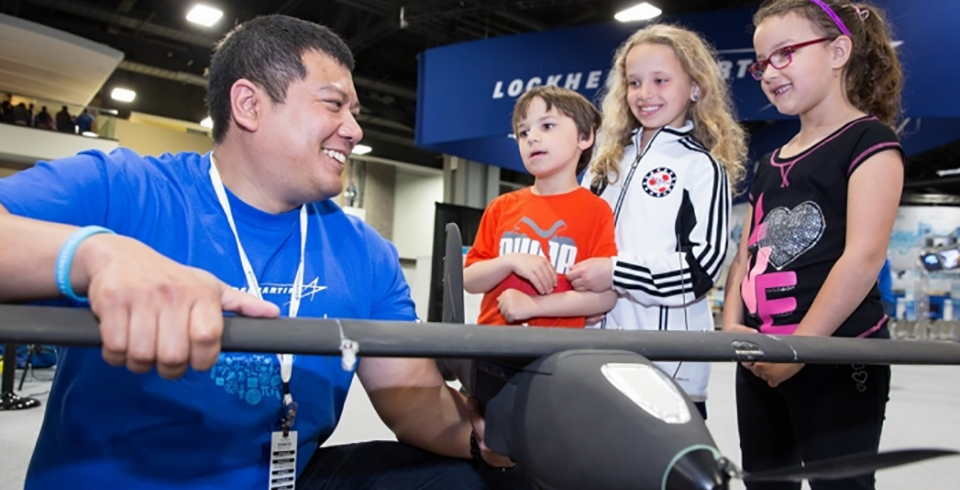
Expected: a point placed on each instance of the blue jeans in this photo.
(386, 465)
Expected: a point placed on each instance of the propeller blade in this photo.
(453, 310)
(453, 276)
(848, 466)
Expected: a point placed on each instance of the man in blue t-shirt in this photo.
(248, 228)
(84, 122)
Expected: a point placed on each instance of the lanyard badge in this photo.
(288, 409)
(283, 443)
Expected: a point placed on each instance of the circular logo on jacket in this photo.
(659, 182)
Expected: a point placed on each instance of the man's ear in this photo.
(246, 104)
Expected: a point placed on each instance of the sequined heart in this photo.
(860, 377)
(791, 232)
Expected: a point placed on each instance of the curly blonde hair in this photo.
(715, 126)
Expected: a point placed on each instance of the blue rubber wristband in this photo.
(61, 271)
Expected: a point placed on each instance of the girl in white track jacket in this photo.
(669, 151)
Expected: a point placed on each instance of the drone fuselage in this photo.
(602, 420)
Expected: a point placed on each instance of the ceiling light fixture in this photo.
(951, 171)
(643, 11)
(123, 94)
(361, 150)
(204, 15)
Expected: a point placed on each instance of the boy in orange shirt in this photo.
(529, 239)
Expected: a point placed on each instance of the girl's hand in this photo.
(774, 374)
(592, 275)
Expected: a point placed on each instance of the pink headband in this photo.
(833, 15)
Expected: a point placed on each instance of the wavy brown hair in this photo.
(873, 77)
(715, 126)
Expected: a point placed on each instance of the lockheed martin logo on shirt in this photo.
(659, 181)
(308, 290)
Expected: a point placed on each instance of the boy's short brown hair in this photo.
(570, 104)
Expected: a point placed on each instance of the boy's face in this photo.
(549, 142)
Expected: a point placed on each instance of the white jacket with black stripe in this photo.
(672, 211)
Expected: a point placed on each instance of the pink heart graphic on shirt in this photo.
(791, 232)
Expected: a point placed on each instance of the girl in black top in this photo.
(822, 210)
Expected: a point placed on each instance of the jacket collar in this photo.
(665, 134)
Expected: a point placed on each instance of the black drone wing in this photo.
(73, 326)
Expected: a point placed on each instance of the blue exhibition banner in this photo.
(466, 92)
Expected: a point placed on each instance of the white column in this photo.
(469, 183)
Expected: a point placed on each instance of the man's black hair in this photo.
(268, 51)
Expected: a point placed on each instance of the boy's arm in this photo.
(484, 275)
(484, 268)
(518, 306)
(576, 303)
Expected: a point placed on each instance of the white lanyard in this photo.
(253, 286)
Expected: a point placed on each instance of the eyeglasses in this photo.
(780, 58)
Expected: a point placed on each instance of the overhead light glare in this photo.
(204, 15)
(951, 171)
(207, 122)
(643, 11)
(361, 150)
(123, 94)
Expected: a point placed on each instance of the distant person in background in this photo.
(6, 112)
(20, 115)
(43, 120)
(65, 121)
(84, 122)
(885, 283)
